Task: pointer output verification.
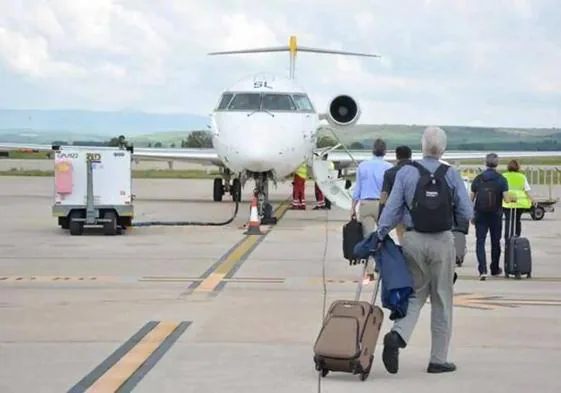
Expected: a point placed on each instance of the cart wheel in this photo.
(76, 227)
(537, 213)
(110, 228)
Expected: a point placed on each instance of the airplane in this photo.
(265, 126)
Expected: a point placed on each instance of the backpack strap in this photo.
(441, 171)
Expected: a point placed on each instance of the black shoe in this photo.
(497, 273)
(435, 368)
(390, 354)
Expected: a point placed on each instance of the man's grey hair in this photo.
(379, 148)
(492, 160)
(433, 142)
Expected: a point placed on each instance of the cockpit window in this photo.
(278, 102)
(224, 101)
(303, 103)
(245, 101)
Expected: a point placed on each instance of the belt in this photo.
(370, 199)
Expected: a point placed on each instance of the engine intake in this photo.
(343, 111)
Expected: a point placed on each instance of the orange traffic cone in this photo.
(253, 224)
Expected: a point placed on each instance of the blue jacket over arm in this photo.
(396, 281)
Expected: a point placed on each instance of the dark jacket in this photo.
(396, 284)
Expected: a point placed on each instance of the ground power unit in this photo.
(93, 187)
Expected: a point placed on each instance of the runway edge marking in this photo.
(213, 279)
(128, 364)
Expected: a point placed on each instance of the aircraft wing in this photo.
(343, 159)
(201, 156)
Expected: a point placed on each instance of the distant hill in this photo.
(142, 129)
(459, 137)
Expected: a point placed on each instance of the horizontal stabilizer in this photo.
(334, 52)
(257, 50)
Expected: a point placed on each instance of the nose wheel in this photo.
(264, 207)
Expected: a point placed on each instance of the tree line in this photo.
(203, 139)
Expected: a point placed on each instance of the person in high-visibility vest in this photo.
(299, 187)
(321, 201)
(518, 188)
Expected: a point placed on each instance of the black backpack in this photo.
(432, 210)
(486, 200)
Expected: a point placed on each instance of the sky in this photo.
(446, 62)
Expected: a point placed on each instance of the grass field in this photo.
(553, 161)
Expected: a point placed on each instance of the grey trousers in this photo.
(430, 258)
(368, 215)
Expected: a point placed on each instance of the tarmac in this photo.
(207, 309)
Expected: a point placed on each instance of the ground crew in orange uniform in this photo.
(299, 187)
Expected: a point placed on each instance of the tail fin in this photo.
(293, 48)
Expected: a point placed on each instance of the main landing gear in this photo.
(223, 185)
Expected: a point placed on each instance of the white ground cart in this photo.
(93, 187)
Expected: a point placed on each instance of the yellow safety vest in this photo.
(516, 182)
(302, 171)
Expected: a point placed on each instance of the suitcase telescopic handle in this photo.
(370, 259)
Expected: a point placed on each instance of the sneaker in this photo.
(482, 276)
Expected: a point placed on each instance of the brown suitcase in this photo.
(348, 336)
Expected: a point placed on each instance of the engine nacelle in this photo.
(343, 111)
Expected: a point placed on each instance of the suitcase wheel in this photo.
(364, 375)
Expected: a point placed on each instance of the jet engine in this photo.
(343, 111)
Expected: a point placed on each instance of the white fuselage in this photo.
(263, 139)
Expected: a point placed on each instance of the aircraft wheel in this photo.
(218, 190)
(236, 190)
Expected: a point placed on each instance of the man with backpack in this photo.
(402, 156)
(488, 190)
(426, 196)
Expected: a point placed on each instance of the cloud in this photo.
(443, 61)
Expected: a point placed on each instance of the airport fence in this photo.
(548, 176)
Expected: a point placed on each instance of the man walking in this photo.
(403, 156)
(367, 191)
(426, 196)
(488, 190)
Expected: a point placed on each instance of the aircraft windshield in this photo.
(224, 101)
(303, 103)
(246, 101)
(278, 102)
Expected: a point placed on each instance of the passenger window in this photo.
(226, 97)
(303, 103)
(278, 102)
(245, 101)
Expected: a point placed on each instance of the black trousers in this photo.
(518, 224)
(488, 222)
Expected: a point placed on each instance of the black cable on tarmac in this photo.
(188, 223)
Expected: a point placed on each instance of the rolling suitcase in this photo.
(352, 234)
(348, 336)
(518, 253)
